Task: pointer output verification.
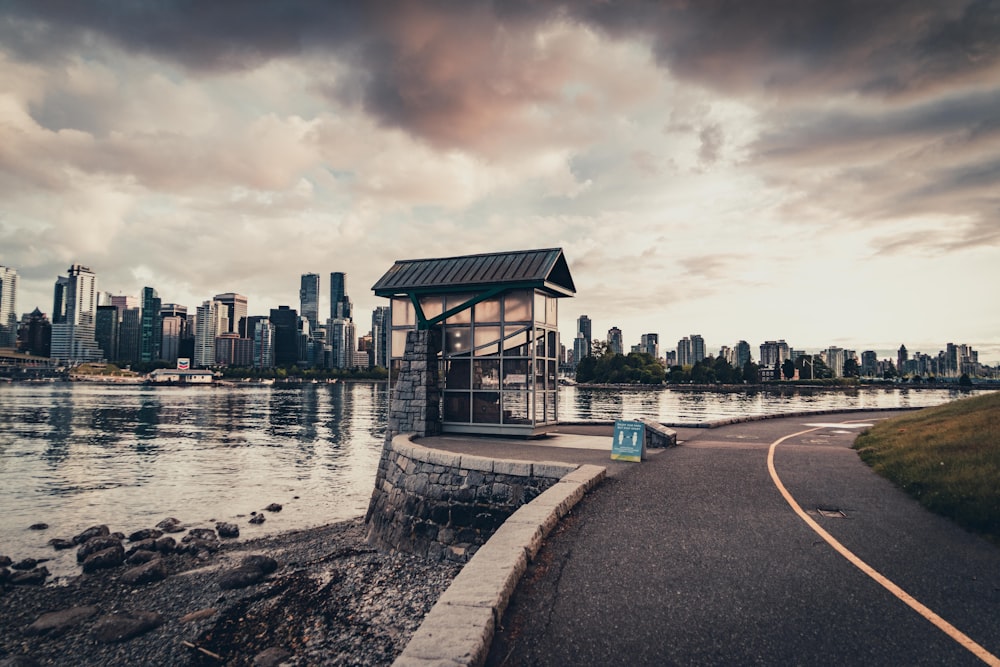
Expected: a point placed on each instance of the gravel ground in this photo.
(333, 600)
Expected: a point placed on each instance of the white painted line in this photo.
(840, 425)
(941, 624)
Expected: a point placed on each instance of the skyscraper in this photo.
(8, 307)
(211, 320)
(381, 330)
(697, 348)
(286, 328)
(650, 344)
(340, 303)
(59, 300)
(583, 327)
(309, 299)
(106, 330)
(173, 320)
(73, 340)
(151, 327)
(742, 353)
(235, 312)
(774, 352)
(615, 343)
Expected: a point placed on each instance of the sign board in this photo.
(629, 442)
(183, 364)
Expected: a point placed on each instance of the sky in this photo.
(827, 173)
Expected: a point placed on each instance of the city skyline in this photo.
(823, 175)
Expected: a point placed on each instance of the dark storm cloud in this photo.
(450, 70)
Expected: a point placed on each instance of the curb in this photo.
(458, 630)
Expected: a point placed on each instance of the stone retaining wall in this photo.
(442, 505)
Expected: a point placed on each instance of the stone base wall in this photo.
(442, 505)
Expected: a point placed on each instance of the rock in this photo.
(30, 578)
(196, 547)
(197, 615)
(241, 577)
(145, 534)
(4, 574)
(273, 507)
(142, 545)
(56, 623)
(257, 519)
(38, 526)
(142, 556)
(152, 571)
(271, 657)
(26, 564)
(118, 535)
(126, 625)
(110, 557)
(227, 529)
(59, 544)
(170, 525)
(200, 534)
(93, 531)
(166, 545)
(19, 661)
(5, 561)
(95, 544)
(265, 564)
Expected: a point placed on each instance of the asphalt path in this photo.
(694, 557)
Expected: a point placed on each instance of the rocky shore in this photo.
(320, 596)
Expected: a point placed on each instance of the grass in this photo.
(947, 457)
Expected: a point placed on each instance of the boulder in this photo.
(38, 526)
(142, 545)
(227, 529)
(257, 519)
(31, 578)
(147, 573)
(4, 574)
(142, 556)
(126, 625)
(5, 561)
(95, 544)
(56, 623)
(59, 544)
(26, 564)
(110, 557)
(170, 525)
(200, 534)
(273, 507)
(241, 577)
(93, 531)
(166, 545)
(145, 534)
(196, 547)
(19, 661)
(265, 564)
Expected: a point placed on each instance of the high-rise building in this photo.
(381, 335)
(211, 321)
(286, 329)
(174, 330)
(73, 339)
(342, 342)
(742, 353)
(580, 348)
(901, 358)
(615, 343)
(697, 348)
(309, 299)
(684, 353)
(340, 303)
(583, 327)
(130, 335)
(106, 331)
(8, 307)
(869, 363)
(36, 334)
(650, 344)
(774, 353)
(235, 312)
(152, 327)
(835, 357)
(59, 300)
(263, 342)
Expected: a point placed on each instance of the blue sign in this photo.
(629, 442)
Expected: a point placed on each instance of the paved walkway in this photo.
(695, 557)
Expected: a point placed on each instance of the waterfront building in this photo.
(263, 342)
(309, 299)
(8, 307)
(835, 358)
(580, 348)
(381, 330)
(210, 322)
(728, 354)
(130, 336)
(684, 353)
(36, 334)
(342, 342)
(743, 356)
(901, 358)
(340, 303)
(697, 348)
(869, 363)
(232, 350)
(235, 311)
(151, 335)
(650, 344)
(774, 353)
(106, 331)
(583, 327)
(73, 339)
(615, 343)
(59, 300)
(499, 333)
(174, 329)
(285, 321)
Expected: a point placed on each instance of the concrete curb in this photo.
(458, 630)
(716, 423)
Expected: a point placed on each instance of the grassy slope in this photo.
(948, 457)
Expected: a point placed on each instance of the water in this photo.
(74, 454)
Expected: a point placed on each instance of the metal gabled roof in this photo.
(524, 268)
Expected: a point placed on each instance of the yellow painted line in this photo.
(941, 624)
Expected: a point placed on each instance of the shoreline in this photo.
(331, 599)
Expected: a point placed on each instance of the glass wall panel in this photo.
(517, 306)
(515, 343)
(457, 406)
(462, 317)
(486, 374)
(540, 343)
(516, 407)
(432, 306)
(402, 312)
(539, 374)
(457, 340)
(550, 377)
(553, 344)
(515, 373)
(486, 341)
(486, 407)
(458, 374)
(488, 311)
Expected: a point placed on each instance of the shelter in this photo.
(498, 316)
